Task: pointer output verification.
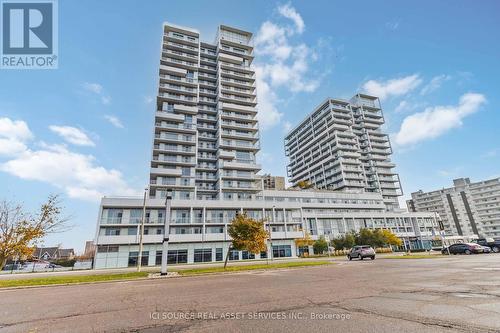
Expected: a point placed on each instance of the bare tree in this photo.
(19, 230)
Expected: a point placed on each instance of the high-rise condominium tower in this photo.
(206, 131)
(340, 146)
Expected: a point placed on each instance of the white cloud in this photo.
(281, 63)
(287, 126)
(453, 172)
(490, 153)
(13, 136)
(16, 129)
(148, 99)
(403, 105)
(72, 135)
(97, 89)
(289, 12)
(434, 84)
(435, 121)
(115, 121)
(393, 87)
(409, 106)
(392, 25)
(105, 100)
(77, 174)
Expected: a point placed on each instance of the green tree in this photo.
(344, 242)
(247, 234)
(20, 230)
(377, 238)
(320, 246)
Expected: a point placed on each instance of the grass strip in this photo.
(240, 268)
(43, 281)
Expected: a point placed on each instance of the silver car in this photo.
(361, 252)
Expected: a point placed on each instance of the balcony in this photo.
(165, 172)
(167, 115)
(238, 108)
(237, 75)
(247, 101)
(177, 79)
(173, 70)
(239, 125)
(237, 135)
(175, 37)
(178, 98)
(188, 65)
(226, 154)
(179, 46)
(174, 160)
(240, 164)
(230, 58)
(238, 175)
(177, 183)
(239, 145)
(175, 88)
(175, 139)
(178, 150)
(181, 127)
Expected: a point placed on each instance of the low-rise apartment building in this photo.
(198, 228)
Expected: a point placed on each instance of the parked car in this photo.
(361, 252)
(486, 249)
(465, 248)
(493, 244)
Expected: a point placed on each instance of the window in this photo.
(132, 231)
(112, 231)
(280, 251)
(234, 255)
(158, 258)
(177, 257)
(263, 254)
(133, 258)
(107, 248)
(186, 171)
(247, 255)
(135, 216)
(218, 254)
(202, 255)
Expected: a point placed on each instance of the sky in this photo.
(84, 130)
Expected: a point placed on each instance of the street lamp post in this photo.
(270, 235)
(166, 233)
(141, 235)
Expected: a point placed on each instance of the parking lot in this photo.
(447, 294)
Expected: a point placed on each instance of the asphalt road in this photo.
(452, 294)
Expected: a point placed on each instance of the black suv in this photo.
(494, 244)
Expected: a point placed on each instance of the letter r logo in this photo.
(27, 27)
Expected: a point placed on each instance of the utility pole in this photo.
(141, 233)
(166, 234)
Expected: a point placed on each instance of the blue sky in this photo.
(84, 129)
